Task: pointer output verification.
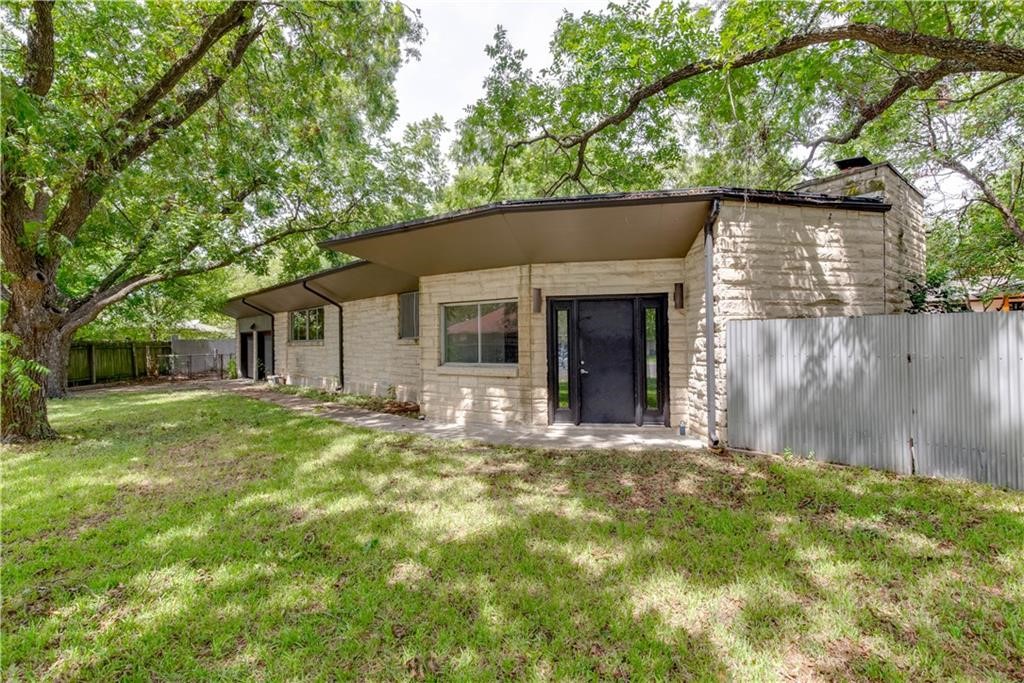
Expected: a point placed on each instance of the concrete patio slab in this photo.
(556, 437)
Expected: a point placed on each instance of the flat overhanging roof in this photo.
(359, 280)
(637, 225)
(608, 227)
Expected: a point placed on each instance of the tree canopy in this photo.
(748, 93)
(145, 142)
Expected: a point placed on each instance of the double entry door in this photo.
(607, 359)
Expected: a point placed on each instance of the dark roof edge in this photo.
(623, 199)
(858, 169)
(297, 281)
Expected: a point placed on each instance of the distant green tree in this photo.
(149, 141)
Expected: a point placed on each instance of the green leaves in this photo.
(754, 125)
(292, 148)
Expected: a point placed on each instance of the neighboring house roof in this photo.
(604, 227)
(494, 322)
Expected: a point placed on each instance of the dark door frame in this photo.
(246, 350)
(641, 302)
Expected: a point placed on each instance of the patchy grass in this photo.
(378, 404)
(185, 535)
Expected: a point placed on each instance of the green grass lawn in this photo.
(182, 535)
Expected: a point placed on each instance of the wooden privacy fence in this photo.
(935, 395)
(96, 362)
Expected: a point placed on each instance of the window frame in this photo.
(416, 315)
(479, 338)
(304, 314)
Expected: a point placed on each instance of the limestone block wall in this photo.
(308, 363)
(377, 362)
(467, 393)
(904, 232)
(777, 261)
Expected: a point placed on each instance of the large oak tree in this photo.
(146, 142)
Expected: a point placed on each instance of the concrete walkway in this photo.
(559, 437)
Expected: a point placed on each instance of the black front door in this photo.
(606, 363)
(607, 359)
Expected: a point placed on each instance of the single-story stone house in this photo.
(590, 309)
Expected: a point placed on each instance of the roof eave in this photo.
(619, 199)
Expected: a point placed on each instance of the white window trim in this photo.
(479, 337)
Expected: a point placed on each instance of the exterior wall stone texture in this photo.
(308, 363)
(491, 394)
(904, 241)
(377, 362)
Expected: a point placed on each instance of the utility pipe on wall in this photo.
(709, 319)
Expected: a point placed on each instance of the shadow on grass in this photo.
(193, 535)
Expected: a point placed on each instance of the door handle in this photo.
(584, 371)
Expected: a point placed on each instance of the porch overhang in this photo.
(359, 280)
(624, 226)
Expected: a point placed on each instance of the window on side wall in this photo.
(409, 315)
(485, 332)
(307, 325)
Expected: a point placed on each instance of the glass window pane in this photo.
(316, 323)
(499, 333)
(651, 356)
(408, 315)
(460, 334)
(562, 356)
(299, 325)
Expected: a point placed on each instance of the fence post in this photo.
(188, 365)
(220, 366)
(135, 368)
(91, 356)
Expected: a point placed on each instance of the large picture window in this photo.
(307, 325)
(481, 333)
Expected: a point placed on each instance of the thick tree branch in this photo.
(222, 24)
(90, 185)
(1005, 210)
(39, 59)
(922, 80)
(88, 309)
(971, 55)
(129, 259)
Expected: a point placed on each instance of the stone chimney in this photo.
(903, 234)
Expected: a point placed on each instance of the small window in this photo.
(409, 315)
(481, 333)
(307, 325)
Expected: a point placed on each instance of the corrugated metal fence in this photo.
(935, 395)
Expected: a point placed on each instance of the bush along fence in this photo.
(98, 362)
(935, 395)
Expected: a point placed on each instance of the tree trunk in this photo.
(57, 355)
(23, 412)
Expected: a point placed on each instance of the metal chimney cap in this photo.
(852, 162)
